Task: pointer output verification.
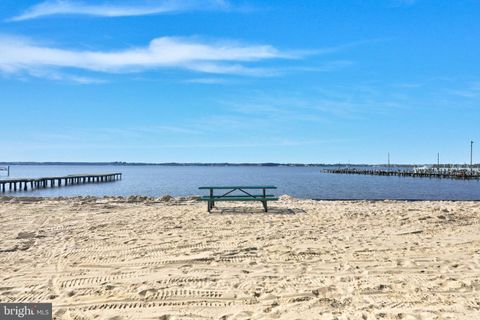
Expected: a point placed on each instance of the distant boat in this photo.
(7, 169)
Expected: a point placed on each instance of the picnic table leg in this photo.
(264, 202)
(265, 206)
(210, 203)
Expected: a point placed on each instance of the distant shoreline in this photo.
(222, 164)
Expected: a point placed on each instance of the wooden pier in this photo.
(25, 184)
(424, 173)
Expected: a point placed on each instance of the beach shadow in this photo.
(255, 210)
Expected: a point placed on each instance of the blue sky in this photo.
(239, 81)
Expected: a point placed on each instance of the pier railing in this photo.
(24, 184)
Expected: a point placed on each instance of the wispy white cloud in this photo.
(470, 91)
(153, 137)
(318, 105)
(115, 9)
(115, 145)
(207, 81)
(22, 55)
(328, 66)
(63, 77)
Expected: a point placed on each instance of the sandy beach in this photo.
(138, 258)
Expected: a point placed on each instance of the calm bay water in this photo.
(302, 182)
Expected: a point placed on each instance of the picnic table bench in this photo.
(243, 196)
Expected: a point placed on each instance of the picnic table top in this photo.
(238, 187)
(239, 198)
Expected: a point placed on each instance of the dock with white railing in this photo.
(442, 173)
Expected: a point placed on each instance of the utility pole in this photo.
(389, 160)
(471, 155)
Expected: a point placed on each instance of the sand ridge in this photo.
(144, 258)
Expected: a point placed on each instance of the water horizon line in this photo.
(233, 164)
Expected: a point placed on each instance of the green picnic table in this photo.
(247, 193)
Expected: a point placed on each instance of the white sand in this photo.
(118, 259)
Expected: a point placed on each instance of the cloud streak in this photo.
(22, 55)
(65, 7)
(471, 91)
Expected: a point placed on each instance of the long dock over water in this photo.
(25, 184)
(422, 173)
